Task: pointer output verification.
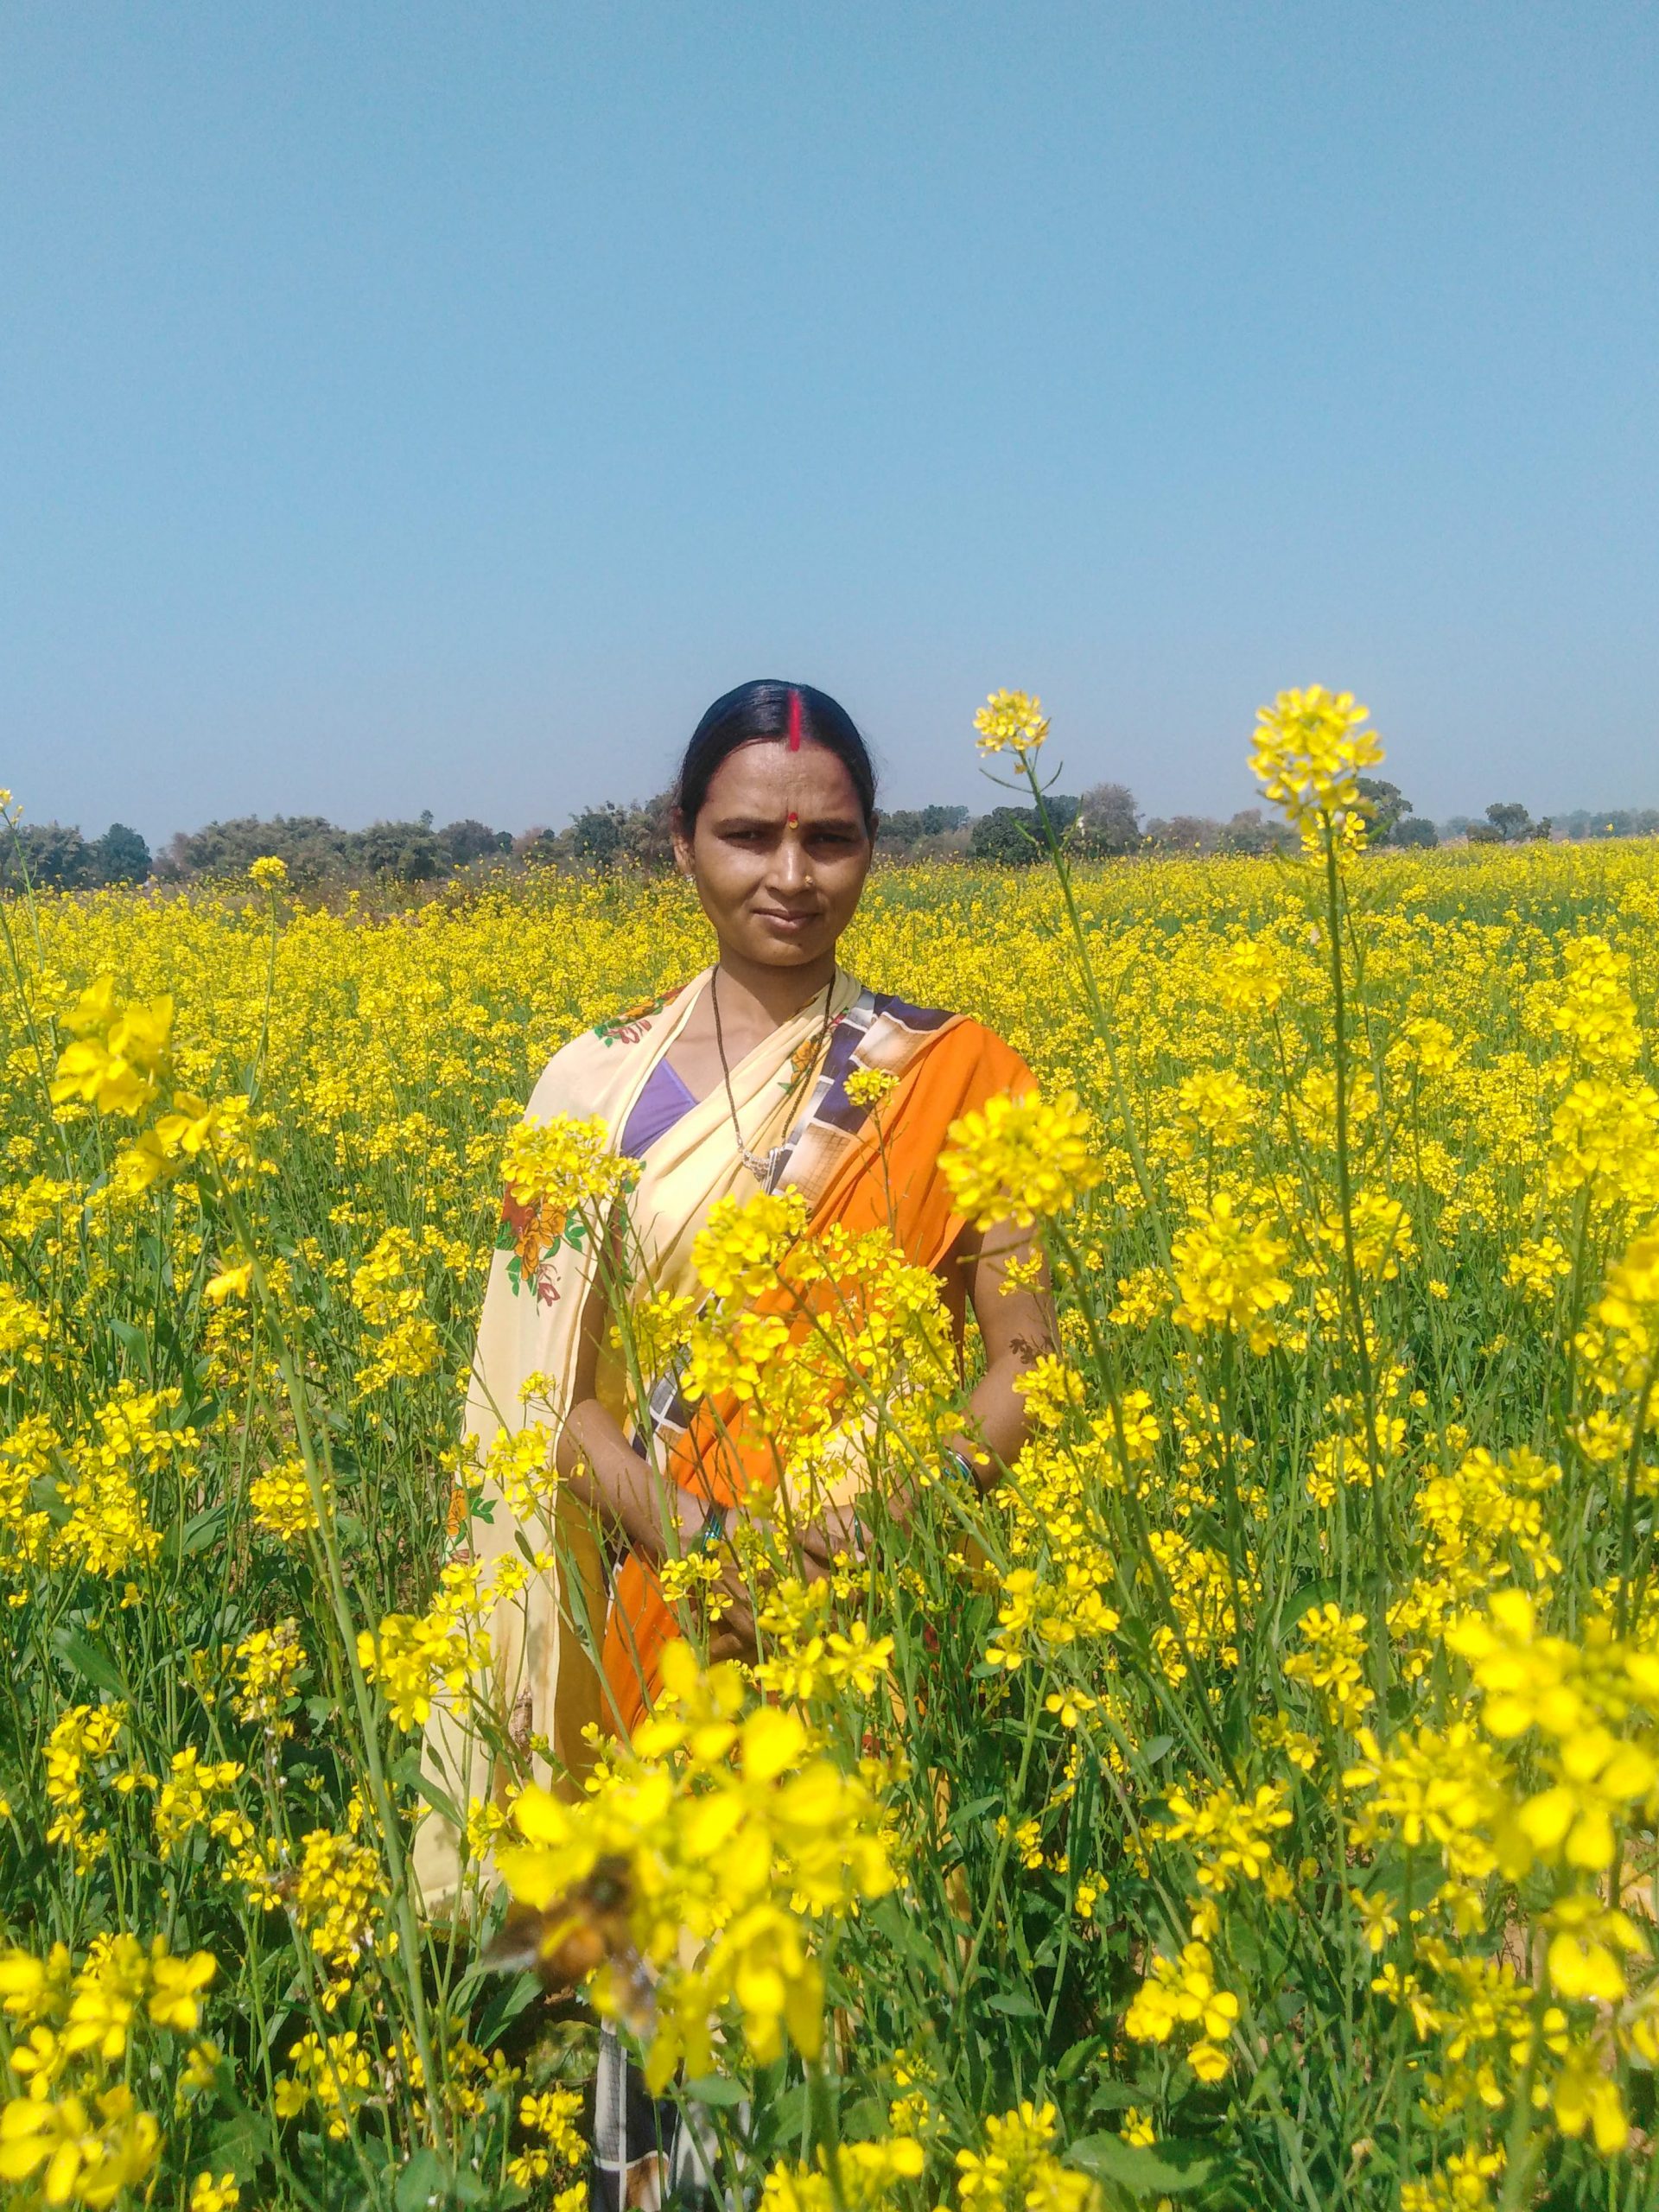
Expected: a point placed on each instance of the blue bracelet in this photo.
(712, 1534)
(963, 1469)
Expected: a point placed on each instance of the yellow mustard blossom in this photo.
(212, 2192)
(734, 1826)
(866, 2177)
(1310, 748)
(412, 1654)
(564, 1166)
(1227, 1271)
(281, 1501)
(1183, 1993)
(1020, 1160)
(1334, 1660)
(1011, 721)
(266, 1667)
(1017, 2171)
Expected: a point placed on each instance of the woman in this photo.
(735, 1083)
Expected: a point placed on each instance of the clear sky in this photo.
(436, 406)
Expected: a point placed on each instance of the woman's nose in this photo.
(789, 868)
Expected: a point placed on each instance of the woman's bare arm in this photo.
(598, 1470)
(1017, 1327)
(1005, 1273)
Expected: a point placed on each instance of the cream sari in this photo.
(544, 1687)
(546, 1695)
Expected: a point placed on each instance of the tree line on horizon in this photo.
(1103, 823)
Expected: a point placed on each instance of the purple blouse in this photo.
(658, 1106)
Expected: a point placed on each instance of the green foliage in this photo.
(1012, 836)
(1107, 822)
(1510, 821)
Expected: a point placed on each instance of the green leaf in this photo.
(864, 2121)
(1115, 2096)
(902, 1931)
(203, 1528)
(789, 2112)
(1168, 2170)
(407, 1773)
(134, 1341)
(509, 2001)
(420, 2183)
(1316, 1592)
(89, 1659)
(1073, 2060)
(238, 2145)
(1015, 2003)
(976, 1808)
(715, 2089)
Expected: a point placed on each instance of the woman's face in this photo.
(778, 853)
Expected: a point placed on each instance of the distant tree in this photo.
(1510, 821)
(1251, 833)
(542, 848)
(1014, 835)
(311, 847)
(1109, 820)
(1418, 831)
(54, 854)
(463, 842)
(597, 836)
(1385, 804)
(901, 826)
(406, 850)
(1541, 830)
(121, 856)
(648, 835)
(1484, 833)
(1011, 835)
(1184, 833)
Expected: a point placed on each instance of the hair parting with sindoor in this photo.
(764, 711)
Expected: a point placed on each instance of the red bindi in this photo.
(794, 721)
(794, 819)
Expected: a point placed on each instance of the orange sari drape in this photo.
(894, 1183)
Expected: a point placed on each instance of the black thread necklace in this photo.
(756, 1165)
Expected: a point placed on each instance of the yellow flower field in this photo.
(1253, 1803)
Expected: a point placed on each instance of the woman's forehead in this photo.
(765, 777)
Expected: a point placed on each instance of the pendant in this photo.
(758, 1167)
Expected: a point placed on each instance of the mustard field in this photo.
(1251, 1803)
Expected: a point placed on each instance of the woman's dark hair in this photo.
(794, 713)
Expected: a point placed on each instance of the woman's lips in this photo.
(783, 921)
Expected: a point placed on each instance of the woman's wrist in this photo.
(972, 1463)
(703, 1525)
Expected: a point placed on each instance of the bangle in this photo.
(712, 1534)
(959, 1460)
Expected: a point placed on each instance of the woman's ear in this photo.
(681, 837)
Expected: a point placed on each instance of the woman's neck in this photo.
(759, 998)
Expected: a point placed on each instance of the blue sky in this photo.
(436, 406)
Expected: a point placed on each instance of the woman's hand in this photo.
(732, 1637)
(844, 1531)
